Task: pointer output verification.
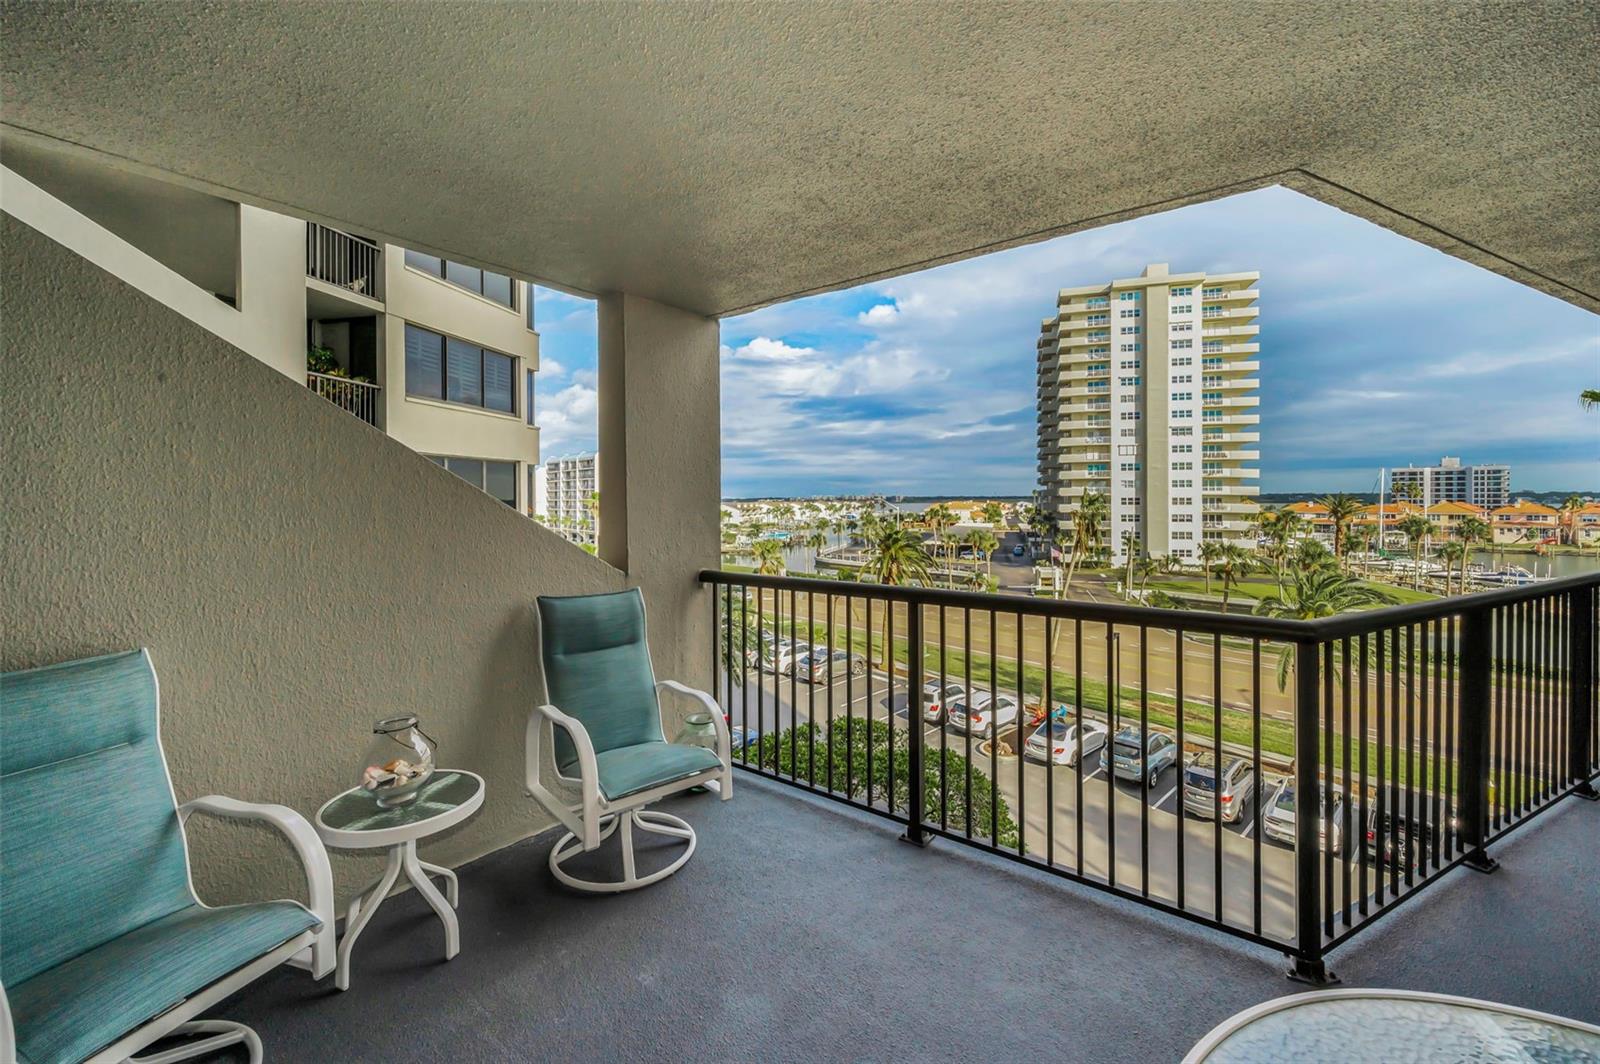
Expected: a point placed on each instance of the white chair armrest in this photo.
(8, 1034)
(588, 771)
(724, 738)
(307, 846)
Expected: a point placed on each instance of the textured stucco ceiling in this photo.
(719, 157)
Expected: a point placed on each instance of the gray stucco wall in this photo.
(295, 574)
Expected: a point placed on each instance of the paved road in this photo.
(1045, 801)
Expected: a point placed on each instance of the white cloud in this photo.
(766, 349)
(567, 420)
(881, 314)
(550, 369)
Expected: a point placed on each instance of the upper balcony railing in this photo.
(343, 260)
(1361, 756)
(358, 397)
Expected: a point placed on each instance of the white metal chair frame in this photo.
(593, 818)
(313, 950)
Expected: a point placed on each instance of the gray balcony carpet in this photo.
(803, 931)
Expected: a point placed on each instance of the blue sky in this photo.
(565, 406)
(1375, 351)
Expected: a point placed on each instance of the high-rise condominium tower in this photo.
(1147, 397)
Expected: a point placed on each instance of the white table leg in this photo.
(447, 915)
(451, 890)
(359, 914)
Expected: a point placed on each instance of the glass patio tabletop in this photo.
(1361, 1029)
(358, 809)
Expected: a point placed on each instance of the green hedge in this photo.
(802, 753)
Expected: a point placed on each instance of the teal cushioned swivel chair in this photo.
(104, 947)
(602, 725)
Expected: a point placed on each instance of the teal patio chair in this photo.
(602, 718)
(104, 947)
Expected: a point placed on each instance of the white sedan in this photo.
(982, 713)
(1058, 742)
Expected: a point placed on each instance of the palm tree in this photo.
(1281, 527)
(1233, 564)
(1088, 522)
(1590, 398)
(1342, 509)
(769, 557)
(1147, 567)
(895, 555)
(1473, 531)
(1416, 529)
(1318, 592)
(1130, 554)
(1454, 552)
(1569, 517)
(1210, 554)
(994, 513)
(983, 543)
(939, 518)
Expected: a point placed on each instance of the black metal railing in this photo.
(342, 259)
(1421, 734)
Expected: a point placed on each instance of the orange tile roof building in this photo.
(1525, 522)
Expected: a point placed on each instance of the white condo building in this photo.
(439, 355)
(1147, 396)
(1488, 486)
(570, 485)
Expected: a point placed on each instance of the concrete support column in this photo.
(660, 469)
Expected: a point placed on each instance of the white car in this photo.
(982, 713)
(936, 697)
(791, 651)
(1058, 742)
(1277, 818)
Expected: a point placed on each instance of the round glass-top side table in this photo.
(355, 821)
(1357, 1025)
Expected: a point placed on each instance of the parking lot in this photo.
(1045, 801)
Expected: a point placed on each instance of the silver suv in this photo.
(1204, 794)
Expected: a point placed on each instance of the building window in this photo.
(1183, 326)
(496, 478)
(1182, 345)
(527, 403)
(486, 283)
(1129, 330)
(1130, 347)
(1128, 297)
(1179, 397)
(1128, 382)
(1186, 291)
(1129, 363)
(1183, 535)
(1183, 414)
(1183, 378)
(1183, 308)
(1130, 312)
(1183, 466)
(1128, 449)
(1186, 360)
(1183, 430)
(439, 367)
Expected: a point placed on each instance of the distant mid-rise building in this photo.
(1147, 397)
(1484, 486)
(571, 487)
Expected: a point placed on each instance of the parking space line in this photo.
(1093, 774)
(1248, 828)
(1163, 799)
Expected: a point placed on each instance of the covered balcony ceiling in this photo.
(722, 157)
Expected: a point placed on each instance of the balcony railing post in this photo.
(1580, 695)
(914, 773)
(1477, 669)
(1307, 957)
